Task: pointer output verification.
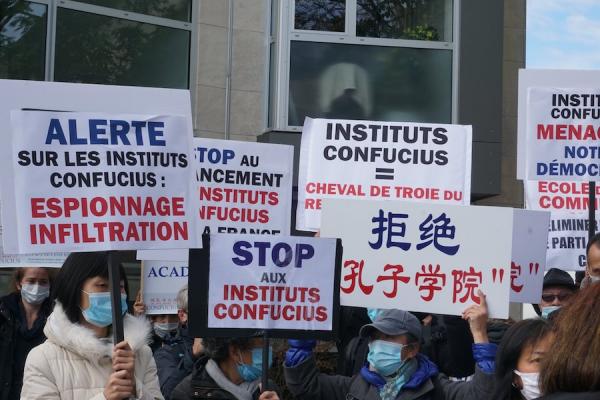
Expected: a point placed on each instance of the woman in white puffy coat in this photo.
(78, 360)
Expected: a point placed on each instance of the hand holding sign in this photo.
(477, 315)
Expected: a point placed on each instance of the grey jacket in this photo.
(305, 382)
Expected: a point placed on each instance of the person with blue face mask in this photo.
(557, 290)
(395, 368)
(23, 314)
(231, 369)
(79, 359)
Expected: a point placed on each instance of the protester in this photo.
(571, 370)
(79, 360)
(23, 315)
(557, 290)
(164, 330)
(230, 370)
(175, 359)
(395, 368)
(592, 270)
(519, 357)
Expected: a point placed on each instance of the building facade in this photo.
(256, 68)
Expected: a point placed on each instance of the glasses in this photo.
(549, 297)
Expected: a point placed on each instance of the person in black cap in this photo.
(395, 369)
(558, 288)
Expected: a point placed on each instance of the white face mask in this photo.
(531, 387)
(34, 294)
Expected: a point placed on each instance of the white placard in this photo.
(239, 187)
(530, 236)
(50, 260)
(568, 203)
(421, 257)
(563, 125)
(271, 282)
(382, 161)
(545, 78)
(162, 282)
(87, 97)
(95, 181)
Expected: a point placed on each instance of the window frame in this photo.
(52, 12)
(284, 32)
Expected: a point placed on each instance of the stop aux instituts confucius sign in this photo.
(276, 283)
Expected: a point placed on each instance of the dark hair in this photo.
(572, 366)
(19, 273)
(594, 240)
(218, 348)
(519, 336)
(77, 268)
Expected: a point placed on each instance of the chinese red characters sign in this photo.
(421, 257)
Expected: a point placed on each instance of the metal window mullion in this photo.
(456, 59)
(418, 44)
(267, 42)
(127, 15)
(193, 61)
(351, 17)
(51, 41)
(286, 14)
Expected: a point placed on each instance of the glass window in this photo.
(92, 48)
(173, 9)
(331, 80)
(404, 19)
(320, 15)
(22, 40)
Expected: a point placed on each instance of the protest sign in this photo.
(239, 187)
(422, 257)
(79, 97)
(95, 181)
(563, 124)
(162, 282)
(382, 161)
(568, 203)
(530, 235)
(286, 285)
(582, 80)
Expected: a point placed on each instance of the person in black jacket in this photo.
(23, 315)
(230, 370)
(175, 358)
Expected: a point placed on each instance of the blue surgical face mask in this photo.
(251, 372)
(385, 357)
(34, 294)
(546, 311)
(99, 312)
(373, 313)
(164, 330)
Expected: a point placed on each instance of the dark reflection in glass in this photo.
(92, 48)
(331, 80)
(22, 40)
(320, 15)
(173, 9)
(403, 19)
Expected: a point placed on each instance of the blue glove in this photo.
(485, 356)
(299, 351)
